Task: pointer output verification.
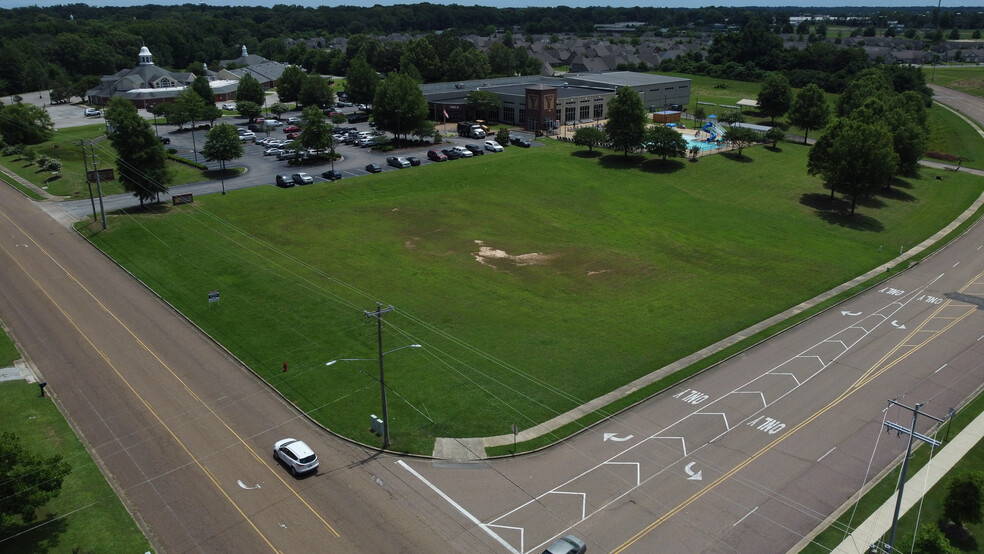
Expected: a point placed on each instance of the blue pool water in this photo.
(691, 142)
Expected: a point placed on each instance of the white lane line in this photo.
(956, 264)
(735, 524)
(941, 367)
(828, 452)
(458, 507)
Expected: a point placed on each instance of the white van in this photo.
(273, 122)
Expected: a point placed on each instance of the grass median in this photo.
(534, 279)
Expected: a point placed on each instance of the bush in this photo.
(946, 156)
(53, 165)
(42, 160)
(29, 154)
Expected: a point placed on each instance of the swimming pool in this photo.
(691, 142)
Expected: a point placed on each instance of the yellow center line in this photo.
(160, 420)
(866, 378)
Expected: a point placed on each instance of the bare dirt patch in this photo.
(487, 256)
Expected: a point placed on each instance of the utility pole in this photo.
(95, 169)
(88, 183)
(378, 314)
(911, 431)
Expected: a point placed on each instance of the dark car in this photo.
(374, 168)
(414, 161)
(520, 141)
(475, 149)
(284, 180)
(436, 155)
(451, 153)
(331, 175)
(165, 140)
(358, 118)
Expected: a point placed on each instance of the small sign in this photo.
(213, 296)
(182, 199)
(104, 175)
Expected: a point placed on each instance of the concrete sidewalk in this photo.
(877, 526)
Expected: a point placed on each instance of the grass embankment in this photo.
(70, 181)
(966, 78)
(87, 516)
(637, 265)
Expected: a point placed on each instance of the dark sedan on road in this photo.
(332, 175)
(452, 154)
(414, 161)
(374, 168)
(475, 149)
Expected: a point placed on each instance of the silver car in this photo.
(568, 544)
(296, 455)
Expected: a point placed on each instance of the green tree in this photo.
(484, 102)
(741, 137)
(774, 135)
(188, 107)
(590, 137)
(420, 54)
(222, 144)
(810, 110)
(853, 156)
(290, 83)
(279, 108)
(964, 499)
(502, 136)
(732, 116)
(315, 132)
(248, 109)
(399, 106)
(203, 89)
(870, 83)
(316, 91)
(665, 141)
(25, 124)
(501, 59)
(776, 96)
(931, 540)
(249, 90)
(140, 157)
(700, 115)
(210, 113)
(361, 82)
(28, 480)
(626, 120)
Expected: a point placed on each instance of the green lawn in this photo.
(87, 516)
(640, 265)
(8, 352)
(950, 134)
(968, 79)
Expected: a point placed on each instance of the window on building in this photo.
(585, 112)
(509, 114)
(599, 111)
(569, 114)
(522, 116)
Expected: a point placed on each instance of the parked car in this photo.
(374, 168)
(292, 129)
(289, 155)
(397, 162)
(475, 149)
(302, 179)
(358, 118)
(273, 152)
(331, 175)
(248, 135)
(568, 544)
(343, 104)
(296, 455)
(284, 180)
(520, 141)
(436, 155)
(464, 152)
(452, 154)
(368, 142)
(493, 146)
(292, 136)
(228, 106)
(414, 161)
(92, 112)
(293, 121)
(165, 140)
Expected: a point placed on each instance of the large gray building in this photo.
(541, 103)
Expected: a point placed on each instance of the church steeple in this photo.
(145, 57)
(244, 51)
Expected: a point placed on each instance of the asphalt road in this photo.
(183, 430)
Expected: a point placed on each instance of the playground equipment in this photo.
(709, 129)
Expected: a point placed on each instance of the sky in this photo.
(504, 3)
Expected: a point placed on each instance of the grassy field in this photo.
(968, 79)
(87, 516)
(621, 267)
(949, 133)
(8, 352)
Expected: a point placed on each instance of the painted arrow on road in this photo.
(243, 485)
(845, 312)
(693, 476)
(616, 438)
(895, 323)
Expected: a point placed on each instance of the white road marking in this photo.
(828, 452)
(743, 517)
(941, 367)
(458, 507)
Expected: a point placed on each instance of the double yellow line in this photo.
(875, 370)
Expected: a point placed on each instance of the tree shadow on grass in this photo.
(621, 161)
(960, 537)
(662, 166)
(230, 172)
(895, 192)
(45, 537)
(153, 207)
(774, 149)
(838, 212)
(733, 156)
(587, 154)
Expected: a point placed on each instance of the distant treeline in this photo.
(68, 47)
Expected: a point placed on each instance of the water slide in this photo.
(710, 130)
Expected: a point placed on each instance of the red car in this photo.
(292, 129)
(291, 136)
(436, 155)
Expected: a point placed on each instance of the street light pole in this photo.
(378, 314)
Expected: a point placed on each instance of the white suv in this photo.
(296, 455)
(465, 153)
